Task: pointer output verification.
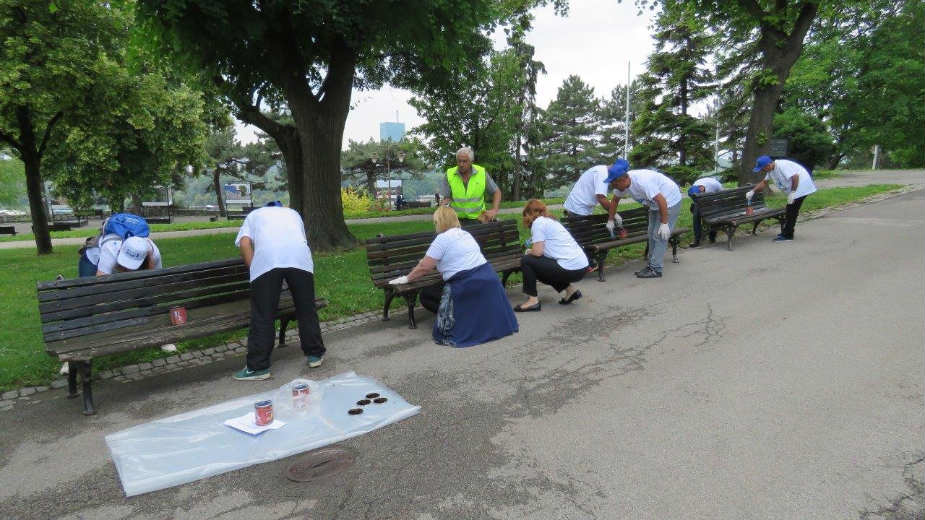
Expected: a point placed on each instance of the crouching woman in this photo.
(473, 306)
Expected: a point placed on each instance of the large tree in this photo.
(51, 58)
(308, 55)
(776, 30)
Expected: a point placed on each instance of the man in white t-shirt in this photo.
(699, 187)
(658, 193)
(273, 244)
(791, 178)
(588, 192)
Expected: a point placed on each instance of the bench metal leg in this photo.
(72, 380)
(730, 234)
(600, 266)
(87, 382)
(283, 323)
(504, 277)
(389, 296)
(674, 250)
(411, 298)
(755, 227)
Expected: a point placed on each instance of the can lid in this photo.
(264, 403)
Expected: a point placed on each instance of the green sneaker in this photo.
(315, 361)
(246, 374)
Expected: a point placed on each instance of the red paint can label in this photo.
(263, 412)
(300, 393)
(622, 233)
(749, 210)
(177, 315)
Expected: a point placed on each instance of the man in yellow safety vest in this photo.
(466, 186)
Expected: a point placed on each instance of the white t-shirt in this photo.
(278, 235)
(583, 197)
(646, 184)
(108, 252)
(455, 250)
(784, 170)
(710, 185)
(558, 243)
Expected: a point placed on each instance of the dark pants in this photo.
(265, 291)
(548, 271)
(84, 267)
(791, 213)
(430, 297)
(698, 225)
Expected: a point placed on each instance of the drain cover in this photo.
(320, 463)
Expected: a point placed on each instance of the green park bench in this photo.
(726, 210)
(85, 318)
(593, 236)
(392, 256)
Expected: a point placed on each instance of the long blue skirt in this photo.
(473, 309)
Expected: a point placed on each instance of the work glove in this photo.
(618, 219)
(791, 197)
(749, 195)
(399, 281)
(664, 232)
(610, 225)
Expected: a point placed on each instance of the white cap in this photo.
(133, 252)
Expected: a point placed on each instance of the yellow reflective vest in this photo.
(468, 201)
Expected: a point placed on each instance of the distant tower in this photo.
(391, 132)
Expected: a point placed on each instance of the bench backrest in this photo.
(82, 306)
(727, 201)
(592, 229)
(392, 256)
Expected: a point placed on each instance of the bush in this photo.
(354, 201)
(810, 142)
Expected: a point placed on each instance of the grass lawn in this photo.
(341, 277)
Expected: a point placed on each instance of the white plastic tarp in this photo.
(193, 445)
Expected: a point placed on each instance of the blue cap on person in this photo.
(619, 169)
(274, 203)
(762, 161)
(693, 190)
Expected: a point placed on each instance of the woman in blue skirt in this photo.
(473, 305)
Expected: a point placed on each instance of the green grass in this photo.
(341, 277)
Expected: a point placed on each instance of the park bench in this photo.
(57, 226)
(392, 256)
(414, 204)
(86, 318)
(726, 210)
(8, 230)
(593, 236)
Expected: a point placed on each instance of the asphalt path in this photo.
(775, 381)
(848, 178)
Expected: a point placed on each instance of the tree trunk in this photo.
(36, 192)
(217, 186)
(779, 51)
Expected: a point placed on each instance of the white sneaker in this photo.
(170, 347)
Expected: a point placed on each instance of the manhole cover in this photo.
(320, 463)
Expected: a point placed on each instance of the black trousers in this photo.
(548, 271)
(791, 213)
(265, 291)
(698, 225)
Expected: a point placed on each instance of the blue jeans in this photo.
(84, 267)
(657, 246)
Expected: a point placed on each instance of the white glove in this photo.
(791, 197)
(663, 232)
(399, 281)
(619, 219)
(610, 225)
(749, 195)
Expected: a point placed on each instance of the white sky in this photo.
(595, 41)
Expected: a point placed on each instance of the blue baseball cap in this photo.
(762, 161)
(693, 190)
(619, 169)
(274, 203)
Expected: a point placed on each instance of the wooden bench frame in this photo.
(592, 235)
(8, 230)
(392, 256)
(85, 318)
(726, 211)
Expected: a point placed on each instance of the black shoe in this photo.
(532, 308)
(575, 295)
(643, 270)
(649, 273)
(694, 244)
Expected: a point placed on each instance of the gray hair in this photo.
(465, 150)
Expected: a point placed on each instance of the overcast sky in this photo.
(595, 41)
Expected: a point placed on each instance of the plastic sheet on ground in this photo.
(193, 445)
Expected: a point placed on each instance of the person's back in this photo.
(455, 250)
(279, 240)
(583, 196)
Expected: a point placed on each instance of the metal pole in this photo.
(876, 156)
(716, 148)
(626, 124)
(388, 170)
